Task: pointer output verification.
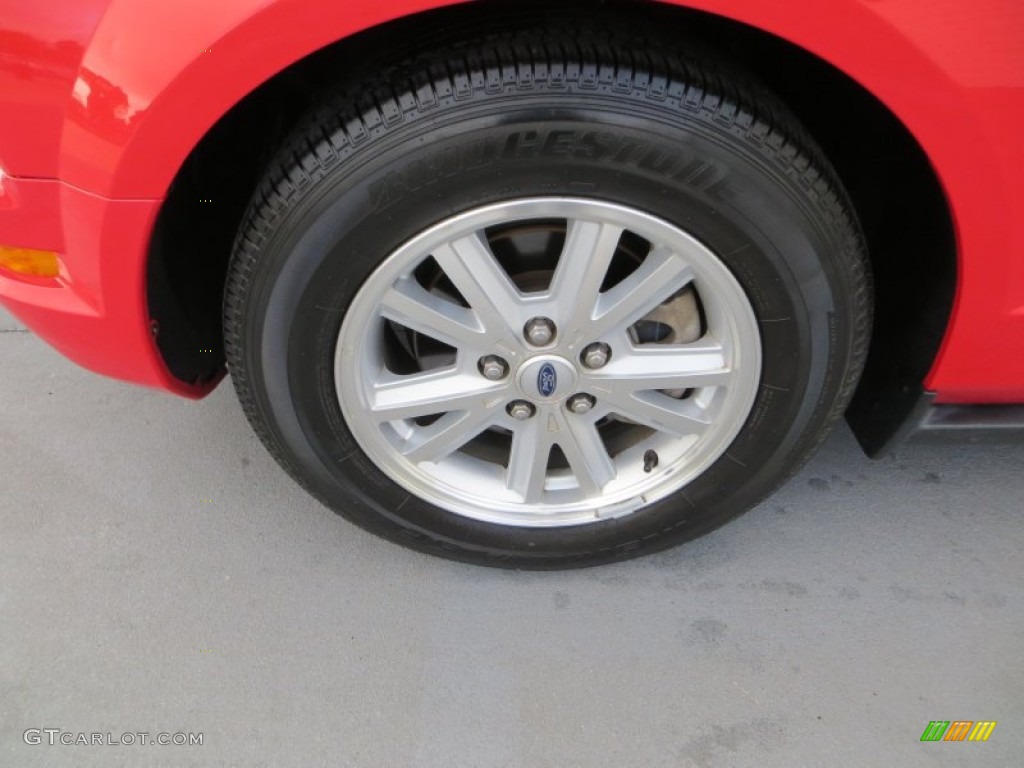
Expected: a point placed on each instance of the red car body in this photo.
(101, 102)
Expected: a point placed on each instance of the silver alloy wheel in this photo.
(662, 412)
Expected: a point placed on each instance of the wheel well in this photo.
(897, 196)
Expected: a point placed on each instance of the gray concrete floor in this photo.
(158, 572)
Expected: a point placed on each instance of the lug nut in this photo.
(581, 404)
(539, 331)
(596, 355)
(493, 367)
(520, 410)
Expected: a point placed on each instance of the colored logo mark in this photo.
(547, 380)
(958, 730)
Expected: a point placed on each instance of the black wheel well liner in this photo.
(895, 191)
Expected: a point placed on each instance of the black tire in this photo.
(541, 113)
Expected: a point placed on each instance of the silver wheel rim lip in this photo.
(471, 491)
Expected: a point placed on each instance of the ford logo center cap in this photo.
(547, 380)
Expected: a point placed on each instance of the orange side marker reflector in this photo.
(28, 261)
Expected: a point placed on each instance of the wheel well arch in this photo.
(895, 191)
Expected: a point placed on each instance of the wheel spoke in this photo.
(680, 366)
(409, 304)
(424, 394)
(582, 267)
(447, 434)
(661, 275)
(678, 418)
(586, 454)
(528, 461)
(483, 282)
